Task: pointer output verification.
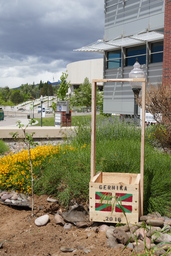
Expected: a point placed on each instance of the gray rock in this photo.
(86, 251)
(111, 242)
(43, 220)
(78, 214)
(124, 228)
(66, 249)
(109, 233)
(158, 222)
(6, 196)
(67, 226)
(59, 220)
(166, 228)
(52, 200)
(83, 224)
(103, 228)
(120, 246)
(159, 252)
(152, 230)
(14, 197)
(7, 201)
(121, 236)
(140, 233)
(160, 237)
(139, 246)
(133, 228)
(130, 246)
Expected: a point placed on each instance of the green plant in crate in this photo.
(113, 201)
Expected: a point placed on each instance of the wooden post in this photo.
(142, 149)
(93, 129)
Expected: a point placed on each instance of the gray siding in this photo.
(124, 18)
(118, 97)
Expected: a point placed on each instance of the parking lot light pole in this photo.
(41, 100)
(33, 108)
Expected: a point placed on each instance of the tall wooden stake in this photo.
(93, 129)
(142, 149)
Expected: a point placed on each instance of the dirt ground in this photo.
(20, 236)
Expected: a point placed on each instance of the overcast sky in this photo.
(37, 37)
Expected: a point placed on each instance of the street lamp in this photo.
(136, 72)
(41, 100)
(33, 108)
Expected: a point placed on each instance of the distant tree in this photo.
(17, 97)
(64, 86)
(82, 95)
(6, 93)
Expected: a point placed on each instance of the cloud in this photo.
(37, 37)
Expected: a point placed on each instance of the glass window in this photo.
(138, 52)
(157, 52)
(114, 59)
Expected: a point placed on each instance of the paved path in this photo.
(12, 121)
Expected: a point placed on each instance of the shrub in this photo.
(3, 147)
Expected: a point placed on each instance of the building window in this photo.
(114, 59)
(138, 52)
(157, 52)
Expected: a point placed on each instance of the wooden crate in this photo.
(105, 187)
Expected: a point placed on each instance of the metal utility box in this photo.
(114, 195)
(1, 114)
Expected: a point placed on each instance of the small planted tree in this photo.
(82, 95)
(28, 140)
(64, 86)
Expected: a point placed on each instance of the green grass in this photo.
(3, 147)
(75, 120)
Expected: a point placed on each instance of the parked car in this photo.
(49, 111)
(21, 109)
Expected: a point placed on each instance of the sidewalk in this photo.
(12, 121)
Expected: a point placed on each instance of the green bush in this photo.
(3, 147)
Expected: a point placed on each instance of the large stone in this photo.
(111, 242)
(140, 233)
(14, 197)
(160, 237)
(109, 233)
(59, 220)
(121, 236)
(78, 214)
(6, 196)
(43, 220)
(158, 222)
(103, 228)
(83, 224)
(124, 228)
(152, 230)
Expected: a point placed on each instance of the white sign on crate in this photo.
(57, 119)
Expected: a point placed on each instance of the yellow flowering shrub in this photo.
(15, 169)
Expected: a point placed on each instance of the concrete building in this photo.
(79, 70)
(134, 29)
